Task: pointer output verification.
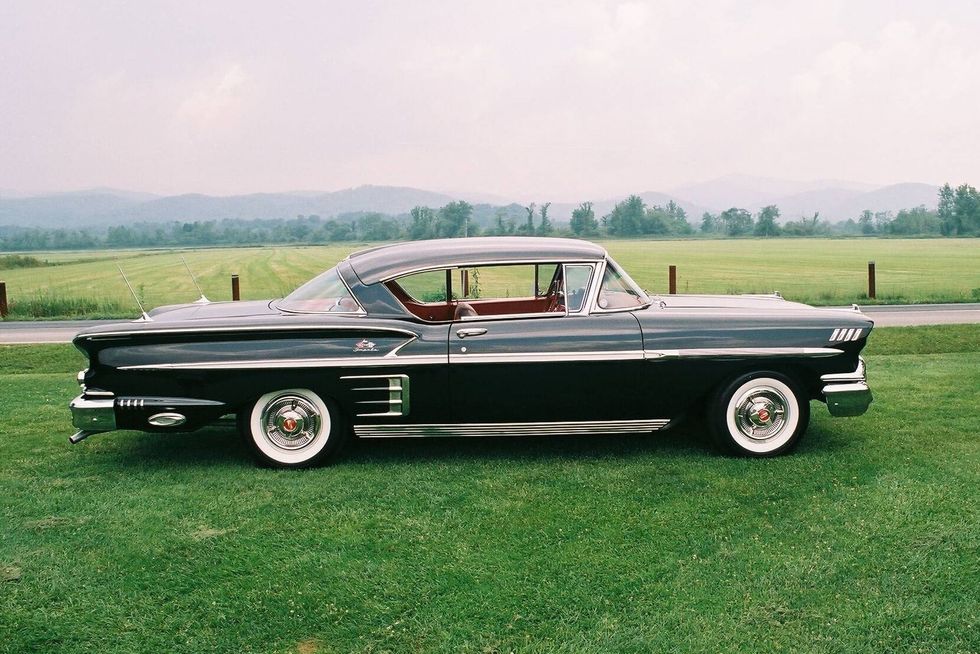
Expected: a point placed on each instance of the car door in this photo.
(547, 368)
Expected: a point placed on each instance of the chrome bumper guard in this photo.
(847, 394)
(93, 414)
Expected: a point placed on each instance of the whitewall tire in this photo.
(292, 428)
(759, 414)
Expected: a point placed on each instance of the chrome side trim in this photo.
(497, 357)
(397, 395)
(546, 357)
(742, 353)
(338, 362)
(512, 429)
(246, 328)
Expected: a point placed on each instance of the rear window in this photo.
(326, 293)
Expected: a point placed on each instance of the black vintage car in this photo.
(473, 337)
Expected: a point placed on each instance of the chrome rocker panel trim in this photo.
(847, 394)
(512, 429)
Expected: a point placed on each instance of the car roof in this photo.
(390, 261)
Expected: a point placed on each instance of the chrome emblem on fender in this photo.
(365, 346)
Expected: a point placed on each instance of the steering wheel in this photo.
(555, 302)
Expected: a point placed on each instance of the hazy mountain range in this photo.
(834, 199)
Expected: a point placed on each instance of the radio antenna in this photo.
(203, 299)
(144, 315)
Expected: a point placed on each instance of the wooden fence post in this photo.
(3, 300)
(235, 291)
(672, 280)
(871, 280)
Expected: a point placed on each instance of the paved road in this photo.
(907, 315)
(44, 331)
(62, 331)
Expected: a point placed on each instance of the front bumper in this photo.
(847, 394)
(93, 414)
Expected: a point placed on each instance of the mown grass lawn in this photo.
(817, 271)
(865, 540)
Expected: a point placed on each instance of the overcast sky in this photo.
(545, 100)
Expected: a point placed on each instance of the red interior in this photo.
(443, 312)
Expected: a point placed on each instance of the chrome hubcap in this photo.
(291, 422)
(761, 413)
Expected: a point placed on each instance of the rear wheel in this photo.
(293, 428)
(759, 414)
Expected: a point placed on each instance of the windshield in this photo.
(618, 291)
(325, 293)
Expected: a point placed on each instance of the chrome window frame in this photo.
(593, 281)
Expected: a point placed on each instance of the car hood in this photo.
(759, 306)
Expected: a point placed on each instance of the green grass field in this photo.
(867, 539)
(817, 271)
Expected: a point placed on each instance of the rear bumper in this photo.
(847, 394)
(93, 414)
(103, 412)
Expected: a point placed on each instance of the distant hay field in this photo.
(816, 271)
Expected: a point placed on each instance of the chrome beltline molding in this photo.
(511, 428)
(247, 328)
(550, 357)
(742, 352)
(336, 362)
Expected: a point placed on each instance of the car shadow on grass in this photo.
(221, 446)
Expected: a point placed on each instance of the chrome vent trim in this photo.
(393, 396)
(845, 335)
(512, 429)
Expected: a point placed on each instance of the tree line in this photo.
(957, 214)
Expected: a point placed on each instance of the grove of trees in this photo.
(957, 214)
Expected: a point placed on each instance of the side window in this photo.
(500, 291)
(577, 278)
(425, 286)
(616, 291)
(495, 283)
(545, 278)
(508, 290)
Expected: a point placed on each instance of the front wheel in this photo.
(292, 428)
(759, 414)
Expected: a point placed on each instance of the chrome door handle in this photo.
(471, 331)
